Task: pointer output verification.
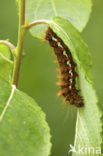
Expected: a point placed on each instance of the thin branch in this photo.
(21, 37)
(10, 45)
(23, 12)
(37, 22)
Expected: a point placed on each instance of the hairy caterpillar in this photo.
(67, 70)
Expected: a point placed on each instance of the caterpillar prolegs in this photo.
(67, 69)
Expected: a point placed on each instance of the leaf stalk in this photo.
(10, 45)
(34, 23)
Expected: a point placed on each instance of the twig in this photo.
(21, 36)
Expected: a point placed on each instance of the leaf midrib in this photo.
(8, 102)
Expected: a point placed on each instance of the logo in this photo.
(84, 150)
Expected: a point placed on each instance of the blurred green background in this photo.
(38, 74)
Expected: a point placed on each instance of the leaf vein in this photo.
(37, 8)
(8, 102)
(6, 59)
(54, 7)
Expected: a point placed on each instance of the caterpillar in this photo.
(67, 69)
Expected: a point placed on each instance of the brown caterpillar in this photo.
(67, 69)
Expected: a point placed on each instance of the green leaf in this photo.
(88, 127)
(6, 63)
(23, 129)
(76, 11)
